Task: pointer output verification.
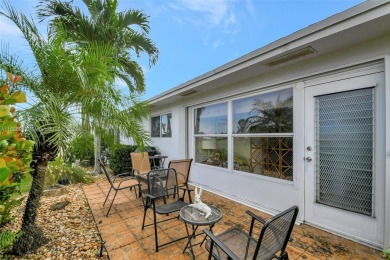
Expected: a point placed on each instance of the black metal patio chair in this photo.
(119, 183)
(162, 183)
(237, 244)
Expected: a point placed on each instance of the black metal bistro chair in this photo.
(161, 183)
(118, 183)
(273, 238)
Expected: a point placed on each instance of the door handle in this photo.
(308, 159)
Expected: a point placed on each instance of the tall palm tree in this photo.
(60, 83)
(105, 25)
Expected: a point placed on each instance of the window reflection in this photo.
(211, 119)
(155, 125)
(161, 125)
(266, 113)
(166, 125)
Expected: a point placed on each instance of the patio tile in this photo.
(130, 213)
(126, 240)
(134, 222)
(102, 220)
(114, 228)
(128, 252)
(119, 240)
(148, 243)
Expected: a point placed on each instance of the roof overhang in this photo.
(358, 24)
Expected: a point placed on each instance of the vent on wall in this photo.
(187, 93)
(289, 56)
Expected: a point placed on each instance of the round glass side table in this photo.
(195, 218)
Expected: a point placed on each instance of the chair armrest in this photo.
(126, 179)
(185, 188)
(149, 196)
(220, 245)
(253, 215)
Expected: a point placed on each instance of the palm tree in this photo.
(60, 83)
(105, 25)
(271, 117)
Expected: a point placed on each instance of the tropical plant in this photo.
(66, 79)
(386, 252)
(272, 117)
(126, 31)
(50, 121)
(15, 156)
(15, 150)
(81, 148)
(64, 173)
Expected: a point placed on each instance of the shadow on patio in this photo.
(125, 240)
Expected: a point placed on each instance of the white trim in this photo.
(345, 235)
(344, 69)
(387, 155)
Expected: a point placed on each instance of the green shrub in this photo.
(81, 148)
(120, 160)
(63, 173)
(7, 239)
(15, 150)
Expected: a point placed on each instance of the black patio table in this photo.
(159, 158)
(196, 218)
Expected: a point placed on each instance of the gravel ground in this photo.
(72, 230)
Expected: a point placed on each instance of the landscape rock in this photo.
(71, 228)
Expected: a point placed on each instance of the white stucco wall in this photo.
(253, 190)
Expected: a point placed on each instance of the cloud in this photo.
(7, 29)
(215, 12)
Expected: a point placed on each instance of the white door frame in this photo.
(370, 230)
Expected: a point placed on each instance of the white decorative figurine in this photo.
(199, 205)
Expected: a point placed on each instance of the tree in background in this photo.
(66, 80)
(104, 25)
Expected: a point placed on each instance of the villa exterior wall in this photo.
(262, 192)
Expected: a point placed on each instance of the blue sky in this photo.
(196, 36)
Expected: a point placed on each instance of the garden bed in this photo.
(69, 225)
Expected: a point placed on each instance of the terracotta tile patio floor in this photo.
(121, 230)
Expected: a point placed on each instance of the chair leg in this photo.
(111, 203)
(155, 226)
(145, 209)
(284, 256)
(211, 250)
(189, 193)
(108, 194)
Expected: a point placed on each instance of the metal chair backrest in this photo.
(102, 166)
(140, 162)
(182, 168)
(162, 182)
(275, 234)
